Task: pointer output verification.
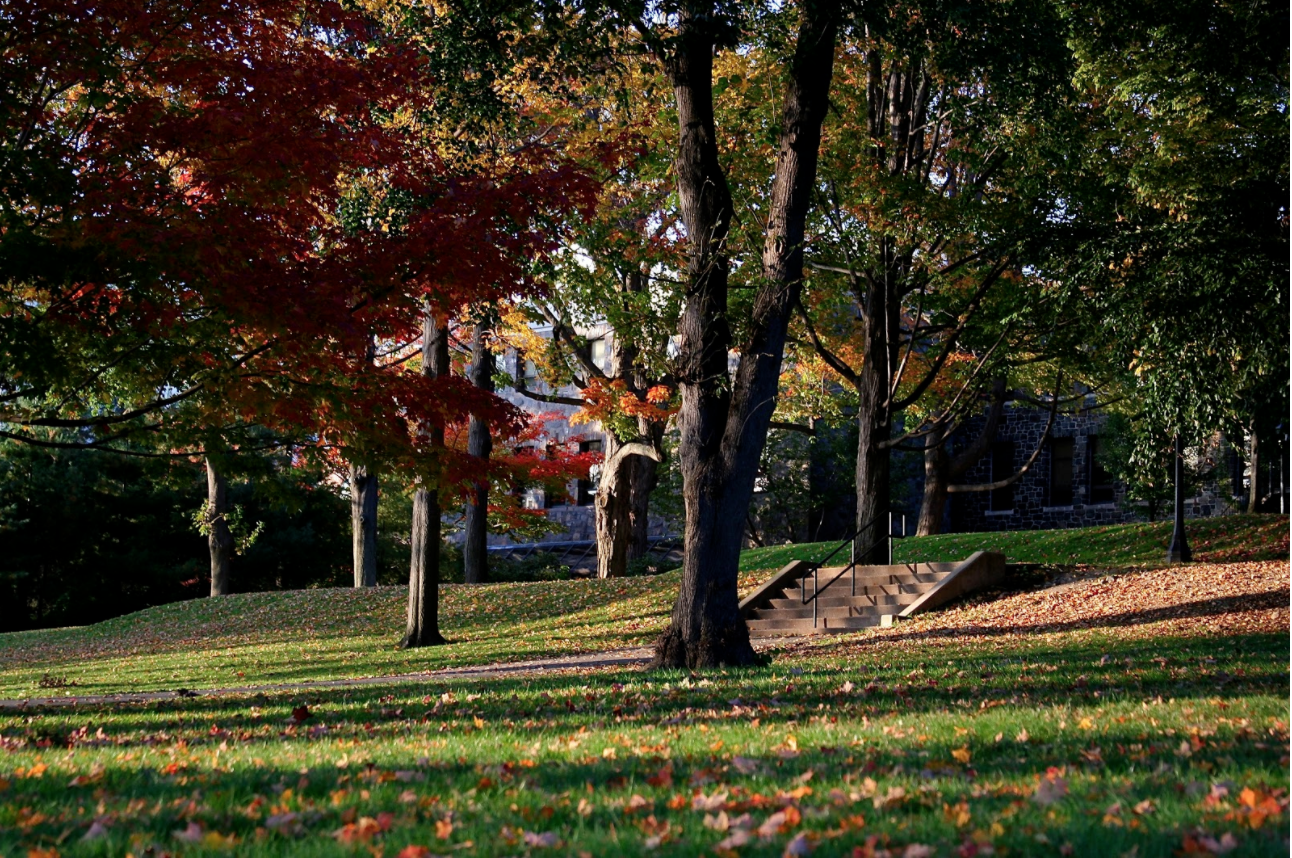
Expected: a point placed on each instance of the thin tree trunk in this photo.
(941, 470)
(1253, 464)
(934, 504)
(423, 625)
(724, 420)
(875, 425)
(475, 556)
(363, 525)
(643, 477)
(363, 512)
(220, 538)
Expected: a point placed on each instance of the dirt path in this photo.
(632, 657)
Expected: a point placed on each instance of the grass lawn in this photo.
(1213, 540)
(1141, 713)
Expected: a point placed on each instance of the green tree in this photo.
(1178, 210)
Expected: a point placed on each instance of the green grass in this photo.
(259, 638)
(952, 740)
(1213, 540)
(1090, 737)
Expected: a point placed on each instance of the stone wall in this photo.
(1032, 507)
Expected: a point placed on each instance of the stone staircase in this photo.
(862, 596)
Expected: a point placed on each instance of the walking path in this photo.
(632, 657)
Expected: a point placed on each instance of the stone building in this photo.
(1066, 485)
(572, 509)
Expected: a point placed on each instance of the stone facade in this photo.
(1043, 498)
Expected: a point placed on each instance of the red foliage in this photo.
(201, 152)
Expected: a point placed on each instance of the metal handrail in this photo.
(851, 539)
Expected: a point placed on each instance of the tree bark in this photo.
(475, 556)
(1254, 468)
(934, 503)
(622, 504)
(941, 470)
(724, 420)
(363, 525)
(219, 538)
(643, 477)
(423, 623)
(614, 506)
(875, 419)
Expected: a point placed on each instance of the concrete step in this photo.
(909, 592)
(840, 611)
(869, 575)
(829, 602)
(804, 626)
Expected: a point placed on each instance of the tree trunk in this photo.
(220, 538)
(423, 628)
(933, 506)
(613, 510)
(941, 470)
(875, 422)
(475, 556)
(1253, 466)
(724, 420)
(614, 505)
(622, 504)
(363, 525)
(643, 478)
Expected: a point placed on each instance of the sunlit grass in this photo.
(1081, 741)
(1213, 540)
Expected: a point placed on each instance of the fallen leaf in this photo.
(190, 834)
(1050, 790)
(545, 840)
(798, 847)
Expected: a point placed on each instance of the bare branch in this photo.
(828, 356)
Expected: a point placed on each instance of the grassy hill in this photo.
(1213, 540)
(324, 634)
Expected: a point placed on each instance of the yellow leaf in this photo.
(961, 754)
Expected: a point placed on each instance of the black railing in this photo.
(851, 540)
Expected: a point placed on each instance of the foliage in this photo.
(1178, 207)
(144, 153)
(86, 535)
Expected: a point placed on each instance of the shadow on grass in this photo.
(973, 681)
(524, 751)
(220, 625)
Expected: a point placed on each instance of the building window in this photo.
(1002, 467)
(598, 353)
(587, 490)
(1060, 472)
(529, 372)
(1101, 484)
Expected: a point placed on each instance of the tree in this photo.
(1178, 211)
(475, 558)
(936, 191)
(219, 535)
(724, 418)
(423, 621)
